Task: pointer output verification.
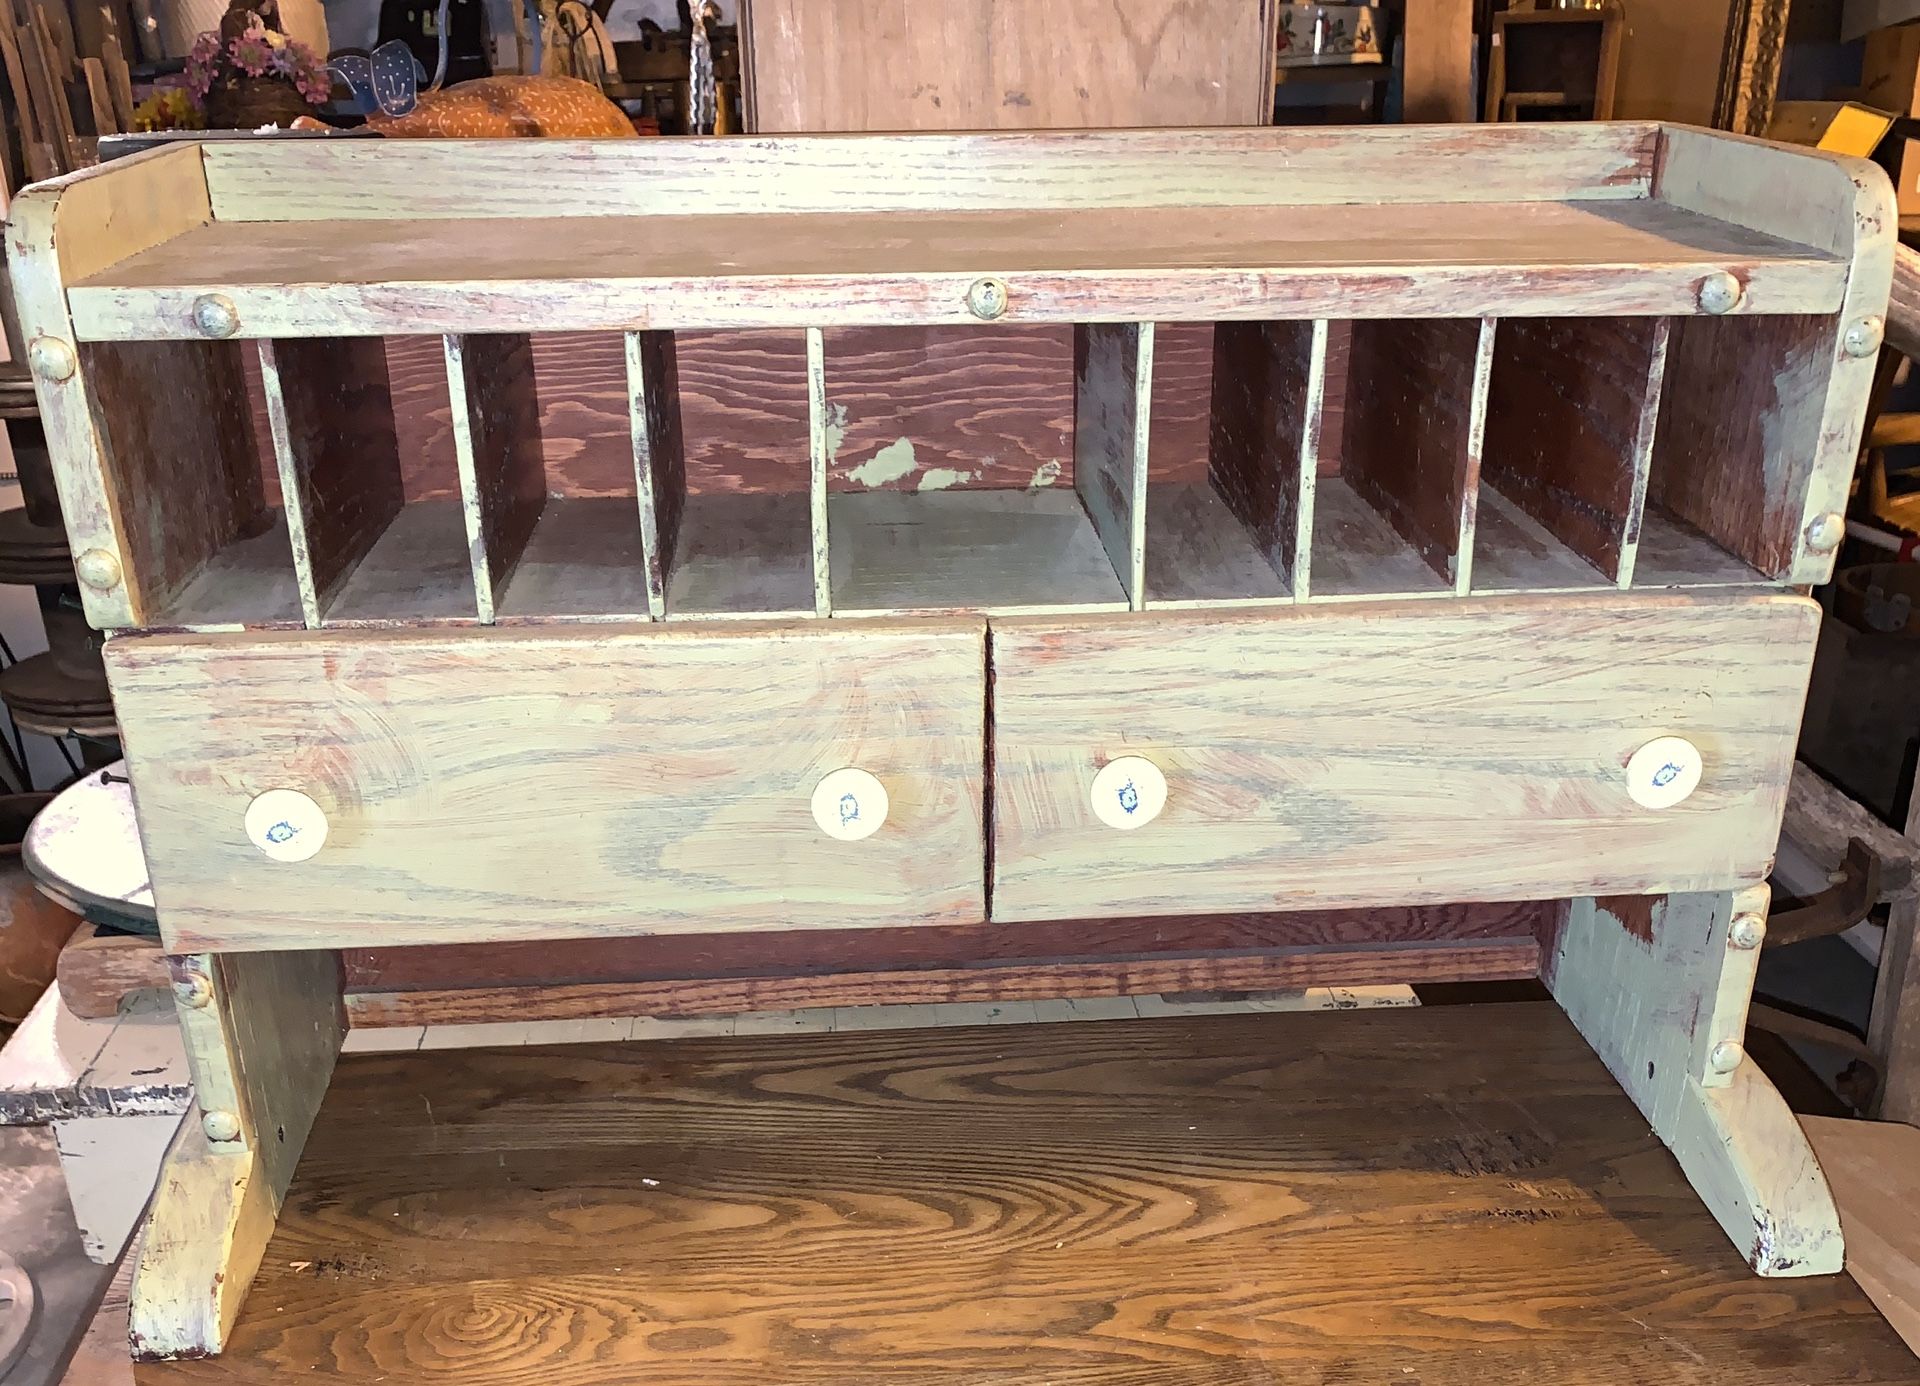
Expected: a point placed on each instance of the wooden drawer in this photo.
(1372, 754)
(488, 784)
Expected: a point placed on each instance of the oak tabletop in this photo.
(1449, 1195)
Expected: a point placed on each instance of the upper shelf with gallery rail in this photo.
(318, 384)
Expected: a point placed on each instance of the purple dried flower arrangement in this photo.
(251, 73)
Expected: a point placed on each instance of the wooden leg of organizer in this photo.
(262, 1032)
(1660, 985)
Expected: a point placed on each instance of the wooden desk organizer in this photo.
(1523, 627)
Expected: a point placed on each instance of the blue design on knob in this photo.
(1129, 797)
(283, 831)
(1666, 775)
(849, 809)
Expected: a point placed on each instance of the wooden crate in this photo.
(1517, 624)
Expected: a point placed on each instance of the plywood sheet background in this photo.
(1005, 64)
(1670, 61)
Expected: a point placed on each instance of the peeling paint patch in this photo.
(835, 430)
(891, 463)
(940, 478)
(1045, 475)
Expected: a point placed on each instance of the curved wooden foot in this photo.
(1744, 1153)
(262, 1032)
(1659, 986)
(206, 1231)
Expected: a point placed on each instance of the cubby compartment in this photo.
(1226, 513)
(202, 545)
(1739, 437)
(1397, 516)
(377, 528)
(1571, 411)
(721, 439)
(1645, 452)
(937, 498)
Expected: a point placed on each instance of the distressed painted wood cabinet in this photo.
(1519, 618)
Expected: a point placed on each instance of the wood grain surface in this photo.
(1313, 753)
(1112, 400)
(510, 962)
(1269, 381)
(1451, 1196)
(330, 416)
(511, 784)
(1733, 449)
(326, 181)
(1038, 979)
(174, 419)
(496, 440)
(659, 455)
(1412, 448)
(1570, 428)
(914, 268)
(986, 65)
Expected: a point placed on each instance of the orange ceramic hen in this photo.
(497, 107)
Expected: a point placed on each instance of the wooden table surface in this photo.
(1448, 1195)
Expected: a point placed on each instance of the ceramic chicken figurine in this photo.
(504, 107)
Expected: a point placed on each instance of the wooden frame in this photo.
(1660, 987)
(1501, 104)
(1465, 414)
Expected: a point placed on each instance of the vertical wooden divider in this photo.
(496, 440)
(1411, 448)
(1269, 385)
(1570, 428)
(1645, 433)
(330, 411)
(659, 456)
(817, 470)
(1112, 398)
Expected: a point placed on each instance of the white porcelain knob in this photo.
(1128, 793)
(286, 825)
(850, 804)
(1664, 772)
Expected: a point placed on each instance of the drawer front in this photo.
(1351, 755)
(491, 784)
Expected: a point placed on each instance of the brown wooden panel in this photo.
(934, 408)
(1570, 427)
(1112, 411)
(423, 416)
(743, 404)
(1263, 425)
(511, 963)
(1409, 449)
(581, 385)
(1208, 1201)
(743, 410)
(658, 453)
(1182, 387)
(1735, 447)
(1354, 755)
(497, 439)
(985, 65)
(1039, 980)
(341, 451)
(176, 427)
(495, 783)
